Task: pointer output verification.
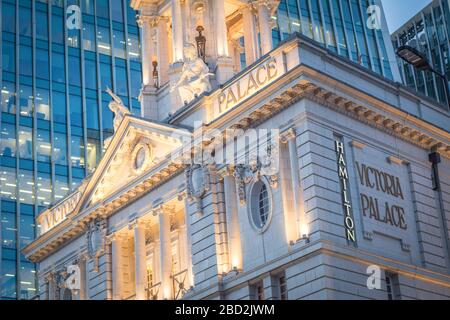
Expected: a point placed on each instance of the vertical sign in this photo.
(349, 222)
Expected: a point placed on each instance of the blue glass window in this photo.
(43, 145)
(61, 187)
(25, 28)
(90, 73)
(92, 114)
(25, 63)
(9, 56)
(77, 150)
(60, 148)
(9, 229)
(117, 11)
(74, 71)
(42, 104)
(119, 44)
(88, 36)
(87, 6)
(136, 83)
(8, 140)
(42, 64)
(27, 271)
(42, 25)
(8, 184)
(103, 40)
(8, 279)
(44, 189)
(134, 47)
(25, 143)
(26, 101)
(76, 114)
(58, 67)
(8, 97)
(59, 107)
(26, 186)
(102, 8)
(8, 17)
(105, 74)
(121, 81)
(57, 29)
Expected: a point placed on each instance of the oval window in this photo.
(261, 205)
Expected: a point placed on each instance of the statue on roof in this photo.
(118, 108)
(194, 75)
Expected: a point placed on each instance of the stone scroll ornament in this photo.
(194, 76)
(198, 183)
(96, 240)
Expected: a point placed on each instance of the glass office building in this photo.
(429, 32)
(341, 26)
(54, 109)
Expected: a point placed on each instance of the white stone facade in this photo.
(354, 189)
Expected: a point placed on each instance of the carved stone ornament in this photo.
(266, 165)
(96, 239)
(198, 183)
(142, 156)
(119, 110)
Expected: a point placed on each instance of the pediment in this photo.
(138, 146)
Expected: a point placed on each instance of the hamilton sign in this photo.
(54, 216)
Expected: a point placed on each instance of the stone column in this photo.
(291, 138)
(265, 29)
(163, 51)
(231, 207)
(250, 38)
(224, 61)
(116, 243)
(177, 31)
(146, 22)
(165, 255)
(82, 264)
(187, 220)
(140, 262)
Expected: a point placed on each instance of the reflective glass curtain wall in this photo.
(429, 32)
(340, 26)
(54, 109)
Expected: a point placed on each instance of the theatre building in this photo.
(303, 175)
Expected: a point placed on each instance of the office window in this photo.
(74, 71)
(283, 288)
(9, 56)
(136, 83)
(8, 97)
(8, 17)
(121, 81)
(117, 11)
(73, 38)
(134, 47)
(340, 31)
(26, 229)
(76, 113)
(43, 145)
(77, 150)
(88, 36)
(25, 63)
(119, 44)
(60, 148)
(8, 140)
(92, 114)
(26, 184)
(42, 25)
(8, 183)
(102, 8)
(107, 120)
(42, 64)
(25, 143)
(26, 101)
(59, 107)
(329, 30)
(27, 280)
(58, 67)
(8, 279)
(44, 189)
(93, 154)
(87, 6)
(57, 29)
(61, 187)
(90, 72)
(350, 33)
(306, 23)
(103, 40)
(25, 28)
(318, 26)
(9, 230)
(105, 74)
(42, 104)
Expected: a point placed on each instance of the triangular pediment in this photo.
(138, 146)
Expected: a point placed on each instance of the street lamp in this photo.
(419, 61)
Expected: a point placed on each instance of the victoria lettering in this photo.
(55, 216)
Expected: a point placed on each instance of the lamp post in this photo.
(418, 60)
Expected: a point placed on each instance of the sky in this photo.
(399, 11)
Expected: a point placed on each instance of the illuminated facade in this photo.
(58, 57)
(429, 32)
(283, 180)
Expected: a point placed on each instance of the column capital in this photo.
(153, 20)
(288, 135)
